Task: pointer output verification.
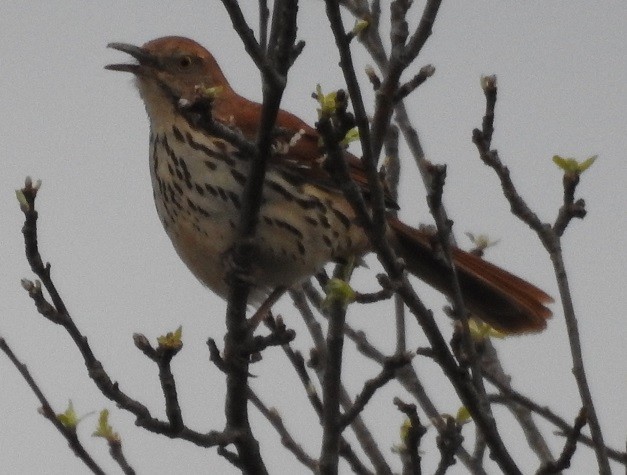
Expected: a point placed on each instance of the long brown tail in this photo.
(508, 303)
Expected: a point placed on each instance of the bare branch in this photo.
(492, 365)
(563, 462)
(214, 355)
(402, 55)
(550, 238)
(434, 199)
(298, 362)
(387, 373)
(273, 416)
(488, 84)
(280, 335)
(509, 394)
(264, 16)
(383, 294)
(449, 440)
(253, 48)
(29, 230)
(274, 64)
(231, 457)
(95, 368)
(410, 86)
(46, 410)
(518, 206)
(163, 356)
(362, 433)
(411, 441)
(115, 449)
(370, 154)
(571, 208)
(199, 115)
(331, 429)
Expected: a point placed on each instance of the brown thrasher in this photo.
(304, 221)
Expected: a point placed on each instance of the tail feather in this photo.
(505, 301)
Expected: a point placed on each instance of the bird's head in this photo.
(171, 68)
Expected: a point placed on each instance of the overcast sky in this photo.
(562, 73)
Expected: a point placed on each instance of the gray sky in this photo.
(563, 90)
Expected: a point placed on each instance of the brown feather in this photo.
(505, 301)
(305, 158)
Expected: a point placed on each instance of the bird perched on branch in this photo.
(198, 178)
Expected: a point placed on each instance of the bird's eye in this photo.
(185, 62)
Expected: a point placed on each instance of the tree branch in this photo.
(509, 394)
(331, 383)
(563, 462)
(387, 373)
(115, 449)
(413, 436)
(274, 64)
(491, 364)
(95, 368)
(550, 238)
(273, 416)
(69, 433)
(163, 356)
(448, 441)
(362, 433)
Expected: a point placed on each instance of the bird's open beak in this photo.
(143, 57)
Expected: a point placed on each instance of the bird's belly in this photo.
(198, 200)
(279, 258)
(287, 248)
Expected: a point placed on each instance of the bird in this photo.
(304, 222)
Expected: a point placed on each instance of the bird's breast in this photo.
(198, 184)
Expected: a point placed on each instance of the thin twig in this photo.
(517, 204)
(563, 462)
(95, 368)
(298, 362)
(411, 441)
(331, 383)
(361, 431)
(490, 90)
(48, 412)
(509, 395)
(273, 64)
(434, 199)
(390, 366)
(279, 335)
(401, 56)
(264, 15)
(406, 89)
(115, 449)
(163, 357)
(370, 153)
(273, 416)
(253, 48)
(550, 238)
(392, 174)
(571, 208)
(378, 296)
(198, 114)
(491, 364)
(448, 440)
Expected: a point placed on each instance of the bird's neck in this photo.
(164, 111)
(160, 106)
